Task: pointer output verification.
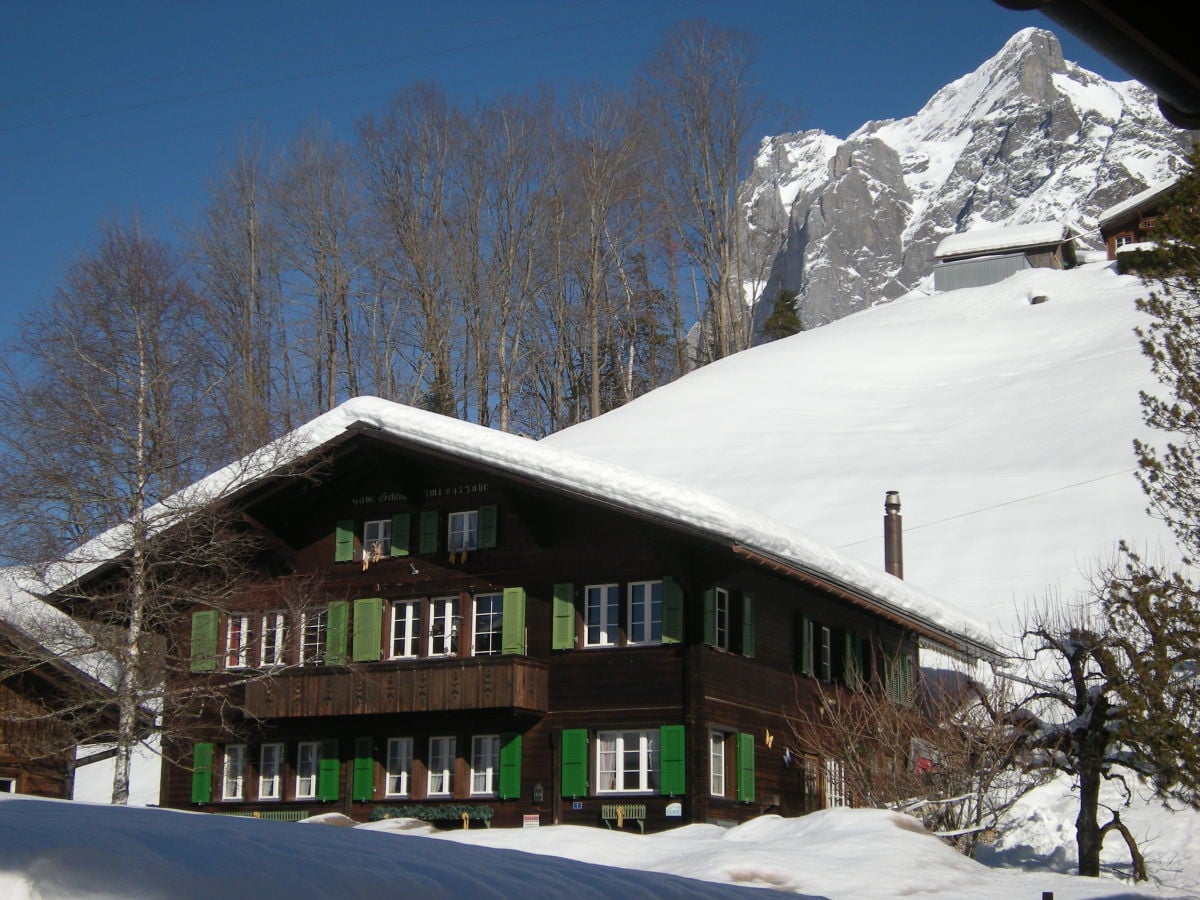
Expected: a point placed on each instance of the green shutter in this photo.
(804, 644)
(512, 623)
(336, 636)
(364, 769)
(906, 678)
(487, 527)
(368, 625)
(344, 546)
(672, 750)
(401, 538)
(710, 617)
(328, 770)
(574, 762)
(852, 660)
(204, 640)
(745, 768)
(672, 607)
(747, 626)
(202, 757)
(510, 767)
(563, 630)
(429, 531)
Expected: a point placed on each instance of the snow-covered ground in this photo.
(54, 849)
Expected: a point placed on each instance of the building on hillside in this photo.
(459, 624)
(1127, 225)
(989, 255)
(37, 752)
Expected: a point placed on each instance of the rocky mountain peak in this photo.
(1026, 137)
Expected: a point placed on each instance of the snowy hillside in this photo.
(1026, 137)
(1006, 426)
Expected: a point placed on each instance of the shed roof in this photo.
(995, 240)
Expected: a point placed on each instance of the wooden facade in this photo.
(454, 634)
(35, 756)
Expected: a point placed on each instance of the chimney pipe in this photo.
(893, 537)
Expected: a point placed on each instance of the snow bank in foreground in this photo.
(55, 849)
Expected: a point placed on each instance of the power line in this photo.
(408, 57)
(983, 509)
(299, 54)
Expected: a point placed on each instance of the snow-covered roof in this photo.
(50, 632)
(1140, 199)
(771, 542)
(992, 240)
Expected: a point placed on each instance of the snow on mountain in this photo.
(1005, 426)
(1027, 137)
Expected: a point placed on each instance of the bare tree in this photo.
(320, 213)
(1113, 696)
(941, 748)
(237, 265)
(105, 427)
(697, 90)
(410, 166)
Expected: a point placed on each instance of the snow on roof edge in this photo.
(1011, 237)
(636, 491)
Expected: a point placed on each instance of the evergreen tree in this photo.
(784, 319)
(1169, 474)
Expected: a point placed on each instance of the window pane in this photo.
(441, 765)
(443, 626)
(307, 754)
(485, 761)
(406, 622)
(312, 648)
(489, 622)
(270, 768)
(234, 772)
(399, 766)
(600, 615)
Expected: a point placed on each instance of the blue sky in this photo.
(108, 108)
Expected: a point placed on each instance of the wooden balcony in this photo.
(481, 682)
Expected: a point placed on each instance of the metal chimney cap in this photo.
(892, 501)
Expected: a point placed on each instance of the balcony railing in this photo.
(481, 682)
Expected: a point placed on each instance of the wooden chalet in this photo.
(1127, 224)
(37, 753)
(469, 626)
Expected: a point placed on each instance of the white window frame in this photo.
(462, 530)
(444, 622)
(485, 764)
(238, 640)
(233, 772)
(643, 606)
(835, 785)
(398, 782)
(8, 785)
(721, 619)
(614, 751)
(826, 668)
(270, 771)
(487, 631)
(601, 608)
(441, 761)
(406, 629)
(312, 653)
(308, 768)
(273, 651)
(377, 539)
(717, 775)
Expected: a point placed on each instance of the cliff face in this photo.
(1027, 137)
